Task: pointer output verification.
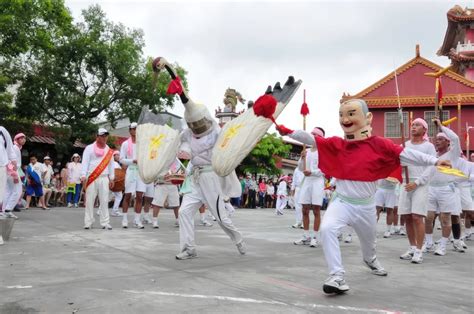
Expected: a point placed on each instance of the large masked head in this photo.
(198, 118)
(355, 119)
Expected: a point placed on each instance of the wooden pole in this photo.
(459, 114)
(304, 128)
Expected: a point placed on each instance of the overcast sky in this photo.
(333, 46)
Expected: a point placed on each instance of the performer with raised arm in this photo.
(206, 187)
(357, 162)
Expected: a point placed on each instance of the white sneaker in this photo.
(402, 232)
(428, 248)
(10, 215)
(107, 227)
(1, 240)
(87, 227)
(408, 255)
(314, 243)
(176, 224)
(387, 234)
(440, 251)
(147, 220)
(467, 237)
(124, 222)
(376, 267)
(348, 238)
(339, 236)
(460, 241)
(205, 223)
(69, 205)
(458, 247)
(296, 226)
(76, 205)
(155, 224)
(417, 257)
(186, 255)
(335, 284)
(98, 212)
(139, 224)
(116, 214)
(241, 247)
(303, 241)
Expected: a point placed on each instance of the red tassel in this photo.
(304, 109)
(265, 106)
(175, 87)
(283, 130)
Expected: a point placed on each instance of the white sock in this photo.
(311, 234)
(444, 241)
(306, 233)
(125, 217)
(203, 216)
(137, 216)
(467, 231)
(389, 227)
(412, 248)
(155, 219)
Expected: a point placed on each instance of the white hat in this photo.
(133, 125)
(102, 131)
(47, 158)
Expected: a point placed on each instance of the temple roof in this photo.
(455, 16)
(415, 88)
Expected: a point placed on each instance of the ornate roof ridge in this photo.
(458, 14)
(417, 101)
(403, 68)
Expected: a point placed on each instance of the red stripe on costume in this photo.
(100, 167)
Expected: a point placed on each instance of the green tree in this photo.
(94, 73)
(261, 159)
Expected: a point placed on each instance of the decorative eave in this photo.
(455, 15)
(458, 14)
(418, 101)
(417, 60)
(459, 57)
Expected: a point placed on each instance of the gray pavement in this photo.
(52, 265)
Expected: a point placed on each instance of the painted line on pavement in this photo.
(19, 287)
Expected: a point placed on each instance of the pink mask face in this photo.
(352, 118)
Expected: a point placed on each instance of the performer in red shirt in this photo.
(357, 162)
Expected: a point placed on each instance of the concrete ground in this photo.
(52, 265)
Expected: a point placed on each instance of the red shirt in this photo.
(365, 160)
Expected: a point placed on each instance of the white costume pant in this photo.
(3, 182)
(99, 187)
(207, 190)
(117, 199)
(12, 194)
(282, 200)
(298, 206)
(340, 214)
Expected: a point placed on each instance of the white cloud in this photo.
(334, 47)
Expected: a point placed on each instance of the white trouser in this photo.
(99, 187)
(12, 194)
(117, 199)
(207, 190)
(282, 200)
(3, 181)
(340, 214)
(298, 206)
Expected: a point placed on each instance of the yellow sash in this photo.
(100, 167)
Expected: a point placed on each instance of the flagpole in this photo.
(402, 129)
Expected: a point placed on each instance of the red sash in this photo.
(100, 167)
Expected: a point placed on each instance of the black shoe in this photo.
(17, 210)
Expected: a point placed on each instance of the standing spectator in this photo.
(74, 185)
(12, 155)
(269, 197)
(262, 191)
(252, 192)
(282, 193)
(118, 194)
(34, 173)
(97, 174)
(48, 174)
(245, 190)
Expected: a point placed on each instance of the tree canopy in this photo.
(262, 159)
(73, 74)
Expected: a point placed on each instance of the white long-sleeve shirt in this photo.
(125, 157)
(452, 155)
(282, 188)
(362, 189)
(90, 161)
(200, 148)
(298, 177)
(6, 147)
(74, 170)
(312, 158)
(467, 168)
